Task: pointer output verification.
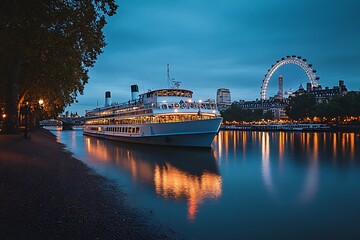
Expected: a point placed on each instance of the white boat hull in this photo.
(190, 134)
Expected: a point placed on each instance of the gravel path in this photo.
(45, 193)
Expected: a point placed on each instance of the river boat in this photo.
(166, 116)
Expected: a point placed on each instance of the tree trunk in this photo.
(11, 124)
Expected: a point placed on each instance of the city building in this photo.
(324, 95)
(278, 103)
(223, 98)
(275, 105)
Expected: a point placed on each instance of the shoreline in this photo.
(46, 193)
(246, 127)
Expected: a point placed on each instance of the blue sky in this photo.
(211, 44)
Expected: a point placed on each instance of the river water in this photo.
(249, 185)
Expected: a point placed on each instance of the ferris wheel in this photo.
(303, 68)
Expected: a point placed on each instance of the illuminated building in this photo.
(223, 98)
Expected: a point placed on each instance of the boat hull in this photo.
(188, 134)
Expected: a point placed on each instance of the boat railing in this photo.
(184, 105)
(134, 106)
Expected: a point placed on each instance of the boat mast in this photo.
(171, 83)
(168, 76)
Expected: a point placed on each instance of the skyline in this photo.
(211, 45)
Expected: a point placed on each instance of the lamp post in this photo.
(2, 121)
(39, 112)
(26, 110)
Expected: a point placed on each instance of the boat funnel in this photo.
(134, 92)
(107, 99)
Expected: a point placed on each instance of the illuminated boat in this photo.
(163, 117)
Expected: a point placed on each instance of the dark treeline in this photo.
(339, 107)
(46, 49)
(302, 107)
(236, 113)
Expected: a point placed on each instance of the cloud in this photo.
(211, 44)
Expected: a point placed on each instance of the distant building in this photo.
(223, 98)
(275, 105)
(278, 103)
(322, 95)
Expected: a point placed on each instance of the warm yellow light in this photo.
(4, 115)
(41, 102)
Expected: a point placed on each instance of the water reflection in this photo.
(283, 178)
(279, 148)
(172, 183)
(174, 173)
(265, 151)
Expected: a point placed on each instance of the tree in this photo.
(236, 113)
(301, 106)
(341, 106)
(46, 50)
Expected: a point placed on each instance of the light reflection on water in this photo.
(279, 182)
(189, 174)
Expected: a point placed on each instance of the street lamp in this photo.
(38, 112)
(26, 111)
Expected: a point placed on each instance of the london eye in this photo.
(294, 70)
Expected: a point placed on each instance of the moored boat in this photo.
(166, 116)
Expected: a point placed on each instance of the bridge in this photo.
(67, 123)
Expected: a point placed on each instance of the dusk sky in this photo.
(222, 44)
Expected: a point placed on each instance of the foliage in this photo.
(301, 106)
(47, 48)
(236, 113)
(339, 107)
